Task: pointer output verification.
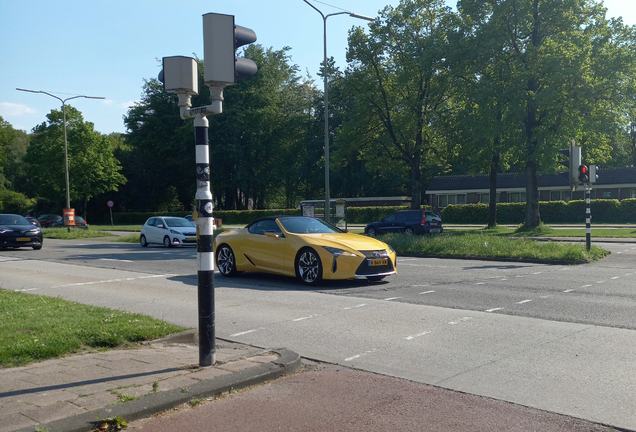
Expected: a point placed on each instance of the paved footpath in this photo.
(70, 394)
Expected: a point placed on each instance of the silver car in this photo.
(169, 231)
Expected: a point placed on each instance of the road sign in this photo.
(110, 203)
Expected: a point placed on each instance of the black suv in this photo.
(407, 221)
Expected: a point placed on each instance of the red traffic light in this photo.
(584, 174)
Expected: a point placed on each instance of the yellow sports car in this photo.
(307, 248)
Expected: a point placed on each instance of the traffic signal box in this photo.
(221, 39)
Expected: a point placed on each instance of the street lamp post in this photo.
(68, 192)
(326, 99)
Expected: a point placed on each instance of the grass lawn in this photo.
(36, 328)
(76, 233)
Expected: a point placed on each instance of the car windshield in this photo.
(307, 225)
(178, 223)
(13, 220)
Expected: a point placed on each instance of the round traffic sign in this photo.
(110, 203)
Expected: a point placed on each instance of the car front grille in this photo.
(365, 269)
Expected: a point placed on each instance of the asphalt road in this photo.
(558, 338)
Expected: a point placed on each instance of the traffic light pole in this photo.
(588, 219)
(205, 252)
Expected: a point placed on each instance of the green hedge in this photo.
(603, 211)
(15, 203)
(233, 217)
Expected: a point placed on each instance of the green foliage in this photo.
(603, 211)
(15, 202)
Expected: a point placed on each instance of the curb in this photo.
(149, 405)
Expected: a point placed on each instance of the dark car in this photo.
(16, 231)
(33, 221)
(80, 222)
(51, 221)
(408, 222)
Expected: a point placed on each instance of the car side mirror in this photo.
(271, 234)
(160, 226)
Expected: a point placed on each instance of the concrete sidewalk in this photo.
(71, 393)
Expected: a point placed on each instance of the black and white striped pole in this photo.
(588, 219)
(205, 252)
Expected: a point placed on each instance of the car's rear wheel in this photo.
(371, 232)
(166, 242)
(409, 231)
(143, 241)
(226, 261)
(309, 267)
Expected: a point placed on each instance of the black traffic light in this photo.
(221, 39)
(584, 174)
(593, 169)
(572, 161)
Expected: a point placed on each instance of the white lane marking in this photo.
(425, 285)
(504, 279)
(391, 298)
(616, 277)
(545, 296)
(599, 282)
(427, 292)
(356, 306)
(243, 333)
(360, 355)
(520, 276)
(112, 259)
(97, 282)
(306, 318)
(480, 283)
(536, 273)
(460, 320)
(524, 301)
(493, 309)
(569, 290)
(416, 335)
(585, 286)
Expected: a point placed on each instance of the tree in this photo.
(400, 75)
(566, 68)
(92, 167)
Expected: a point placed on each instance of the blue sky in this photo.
(108, 47)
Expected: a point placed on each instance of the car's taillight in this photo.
(423, 219)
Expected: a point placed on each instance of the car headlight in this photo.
(2, 231)
(175, 232)
(337, 252)
(390, 250)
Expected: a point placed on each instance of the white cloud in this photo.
(108, 102)
(129, 104)
(11, 109)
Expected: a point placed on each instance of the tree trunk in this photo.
(532, 196)
(416, 182)
(492, 207)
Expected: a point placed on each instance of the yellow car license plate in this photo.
(378, 262)
(24, 239)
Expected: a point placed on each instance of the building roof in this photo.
(607, 177)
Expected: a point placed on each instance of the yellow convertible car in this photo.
(307, 248)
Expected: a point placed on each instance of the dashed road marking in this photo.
(524, 301)
(616, 277)
(97, 282)
(360, 355)
(356, 306)
(306, 318)
(569, 290)
(427, 292)
(416, 335)
(480, 283)
(493, 309)
(391, 298)
(243, 333)
(460, 320)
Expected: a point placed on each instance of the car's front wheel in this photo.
(37, 247)
(143, 241)
(309, 267)
(371, 232)
(409, 231)
(166, 242)
(225, 261)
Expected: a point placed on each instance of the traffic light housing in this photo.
(180, 74)
(572, 161)
(584, 174)
(221, 39)
(593, 176)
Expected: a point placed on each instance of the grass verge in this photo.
(491, 245)
(36, 328)
(76, 233)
